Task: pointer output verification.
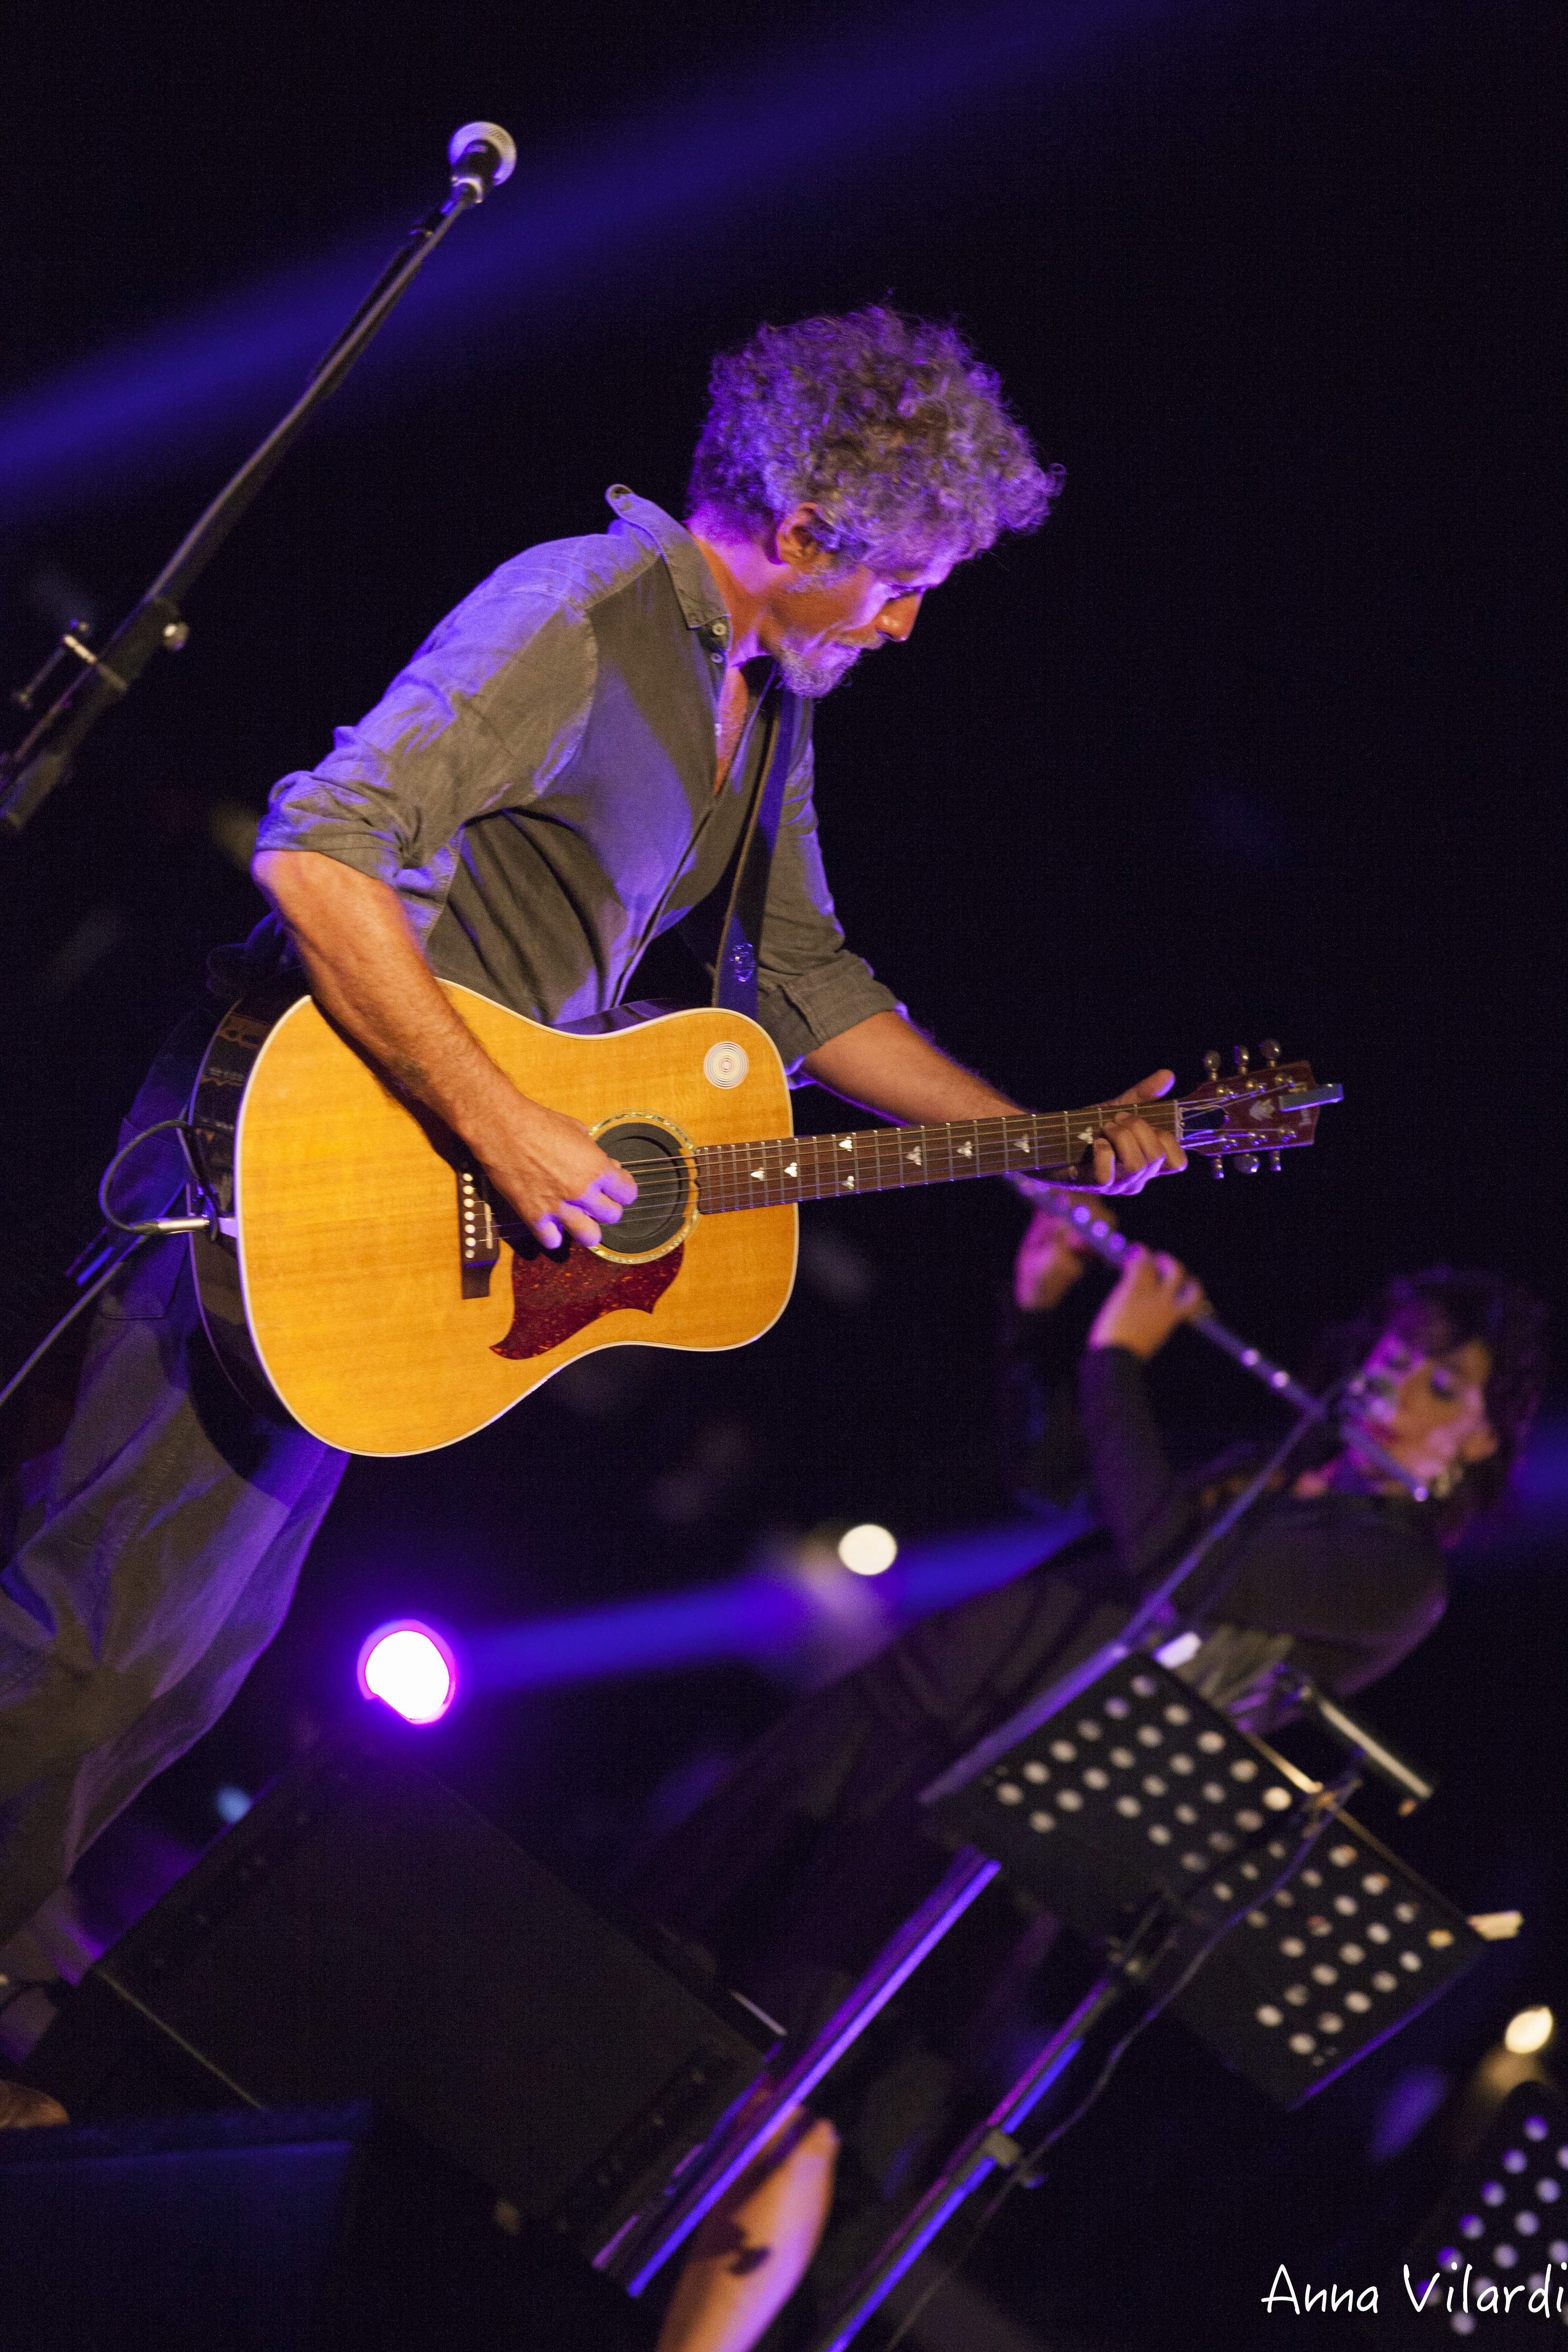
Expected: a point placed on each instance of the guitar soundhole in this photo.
(657, 1216)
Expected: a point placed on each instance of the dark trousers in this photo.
(157, 1545)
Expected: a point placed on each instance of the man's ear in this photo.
(1480, 1444)
(795, 542)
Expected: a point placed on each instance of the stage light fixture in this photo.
(868, 1549)
(410, 1669)
(1531, 2031)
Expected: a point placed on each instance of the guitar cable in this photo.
(146, 1228)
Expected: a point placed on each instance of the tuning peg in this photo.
(1274, 1163)
(1216, 1166)
(1247, 1162)
(1211, 1063)
(1269, 1049)
(1242, 1061)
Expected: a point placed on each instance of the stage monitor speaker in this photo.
(364, 1934)
(327, 2231)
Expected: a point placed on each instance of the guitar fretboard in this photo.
(786, 1169)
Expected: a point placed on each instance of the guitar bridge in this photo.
(478, 1243)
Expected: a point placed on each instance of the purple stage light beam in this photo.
(408, 1666)
(756, 1618)
(726, 162)
(764, 1619)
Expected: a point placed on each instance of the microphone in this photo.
(481, 156)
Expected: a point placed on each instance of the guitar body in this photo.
(341, 1286)
(357, 1274)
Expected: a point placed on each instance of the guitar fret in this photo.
(778, 1172)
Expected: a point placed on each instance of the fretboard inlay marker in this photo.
(876, 1159)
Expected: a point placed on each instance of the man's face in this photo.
(1425, 1400)
(817, 627)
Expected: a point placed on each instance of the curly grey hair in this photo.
(889, 426)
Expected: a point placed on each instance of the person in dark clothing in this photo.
(796, 1871)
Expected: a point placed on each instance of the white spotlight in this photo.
(410, 1668)
(868, 1549)
(1531, 2030)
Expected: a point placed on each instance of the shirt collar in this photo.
(694, 585)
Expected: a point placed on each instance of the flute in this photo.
(1096, 1234)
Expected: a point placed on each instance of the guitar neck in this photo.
(786, 1169)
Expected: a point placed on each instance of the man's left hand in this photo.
(1132, 1152)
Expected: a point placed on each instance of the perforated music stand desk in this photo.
(1141, 1787)
(1221, 1882)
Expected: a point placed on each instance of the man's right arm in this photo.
(367, 973)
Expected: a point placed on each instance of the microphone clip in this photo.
(482, 155)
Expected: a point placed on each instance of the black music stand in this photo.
(1143, 1788)
(1224, 1886)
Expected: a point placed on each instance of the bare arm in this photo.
(887, 1065)
(367, 973)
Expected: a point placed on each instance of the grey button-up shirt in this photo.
(538, 786)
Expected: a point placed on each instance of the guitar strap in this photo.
(740, 940)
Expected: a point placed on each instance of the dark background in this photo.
(1260, 735)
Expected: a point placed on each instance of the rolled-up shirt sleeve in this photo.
(810, 988)
(490, 710)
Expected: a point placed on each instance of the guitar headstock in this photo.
(1247, 1112)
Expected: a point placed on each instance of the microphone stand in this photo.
(482, 156)
(641, 2248)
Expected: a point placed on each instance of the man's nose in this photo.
(897, 620)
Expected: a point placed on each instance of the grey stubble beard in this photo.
(811, 675)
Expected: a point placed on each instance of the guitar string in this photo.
(662, 1183)
(685, 1168)
(725, 1190)
(704, 1158)
(704, 1162)
(985, 1131)
(682, 1169)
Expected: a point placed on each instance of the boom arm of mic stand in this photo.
(43, 759)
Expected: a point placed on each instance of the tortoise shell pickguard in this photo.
(554, 1299)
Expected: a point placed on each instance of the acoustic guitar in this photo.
(357, 1272)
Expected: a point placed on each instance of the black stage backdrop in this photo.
(1260, 735)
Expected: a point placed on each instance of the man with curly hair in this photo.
(567, 768)
(609, 738)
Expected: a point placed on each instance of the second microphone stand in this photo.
(642, 2248)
